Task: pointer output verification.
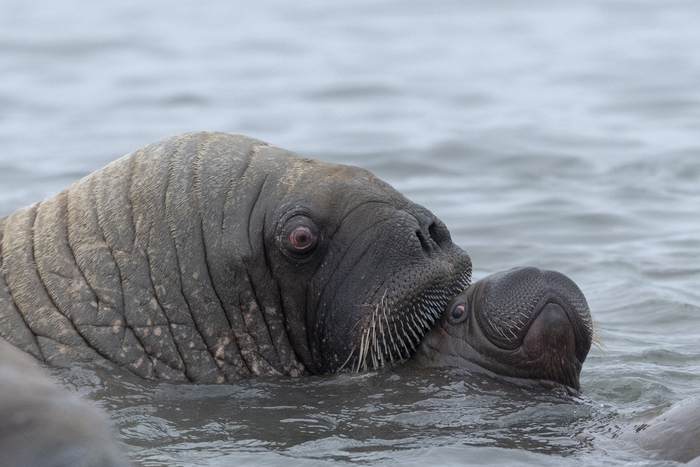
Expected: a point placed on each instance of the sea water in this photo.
(562, 135)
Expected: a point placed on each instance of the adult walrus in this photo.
(210, 257)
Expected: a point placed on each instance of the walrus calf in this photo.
(209, 257)
(533, 327)
(529, 324)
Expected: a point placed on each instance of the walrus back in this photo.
(113, 266)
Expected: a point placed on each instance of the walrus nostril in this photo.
(434, 236)
(552, 336)
(439, 233)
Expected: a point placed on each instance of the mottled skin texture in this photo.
(524, 323)
(180, 262)
(44, 426)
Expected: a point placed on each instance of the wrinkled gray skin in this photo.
(525, 323)
(44, 426)
(209, 257)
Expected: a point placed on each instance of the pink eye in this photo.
(301, 238)
(457, 311)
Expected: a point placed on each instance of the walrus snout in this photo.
(551, 343)
(550, 331)
(525, 323)
(541, 317)
(508, 302)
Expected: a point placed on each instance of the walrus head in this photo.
(210, 257)
(369, 270)
(524, 323)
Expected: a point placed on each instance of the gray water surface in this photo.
(563, 135)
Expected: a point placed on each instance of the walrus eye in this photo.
(301, 238)
(458, 311)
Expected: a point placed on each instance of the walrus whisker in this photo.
(352, 352)
(391, 337)
(361, 355)
(402, 340)
(423, 321)
(381, 327)
(413, 329)
(379, 335)
(498, 330)
(377, 349)
(374, 333)
(355, 326)
(597, 341)
(374, 345)
(413, 345)
(368, 349)
(365, 354)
